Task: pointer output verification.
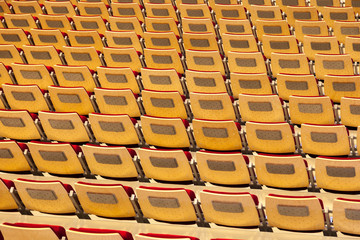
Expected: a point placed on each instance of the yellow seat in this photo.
(313, 28)
(296, 84)
(289, 63)
(349, 111)
(345, 215)
(13, 158)
(207, 82)
(161, 80)
(333, 64)
(46, 55)
(75, 76)
(279, 44)
(337, 87)
(29, 74)
(320, 45)
(250, 83)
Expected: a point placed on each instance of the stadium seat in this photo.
(163, 59)
(7, 200)
(75, 76)
(271, 27)
(52, 22)
(302, 13)
(337, 87)
(90, 23)
(85, 38)
(315, 28)
(29, 74)
(206, 82)
(5, 8)
(82, 56)
(10, 54)
(320, 4)
(203, 60)
(162, 25)
(333, 14)
(234, 26)
(24, 21)
(352, 47)
(279, 44)
(91, 8)
(29, 231)
(165, 10)
(250, 83)
(344, 29)
(345, 215)
(15, 36)
(200, 10)
(13, 157)
(264, 12)
(126, 24)
(162, 80)
(200, 41)
(333, 64)
(97, 233)
(198, 25)
(127, 10)
(46, 55)
(239, 43)
(228, 11)
(124, 39)
(62, 8)
(162, 40)
(27, 7)
(320, 45)
(289, 63)
(52, 37)
(123, 57)
(349, 111)
(248, 3)
(4, 73)
(286, 4)
(246, 62)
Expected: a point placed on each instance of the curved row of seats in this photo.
(179, 205)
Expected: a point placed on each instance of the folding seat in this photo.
(27, 7)
(118, 78)
(250, 83)
(320, 45)
(166, 165)
(8, 202)
(105, 200)
(289, 63)
(338, 174)
(225, 168)
(296, 84)
(298, 213)
(29, 74)
(212, 106)
(60, 8)
(239, 43)
(127, 10)
(28, 97)
(164, 104)
(234, 26)
(90, 23)
(270, 137)
(64, 127)
(85, 38)
(195, 10)
(333, 64)
(123, 40)
(271, 27)
(162, 25)
(286, 4)
(75, 76)
(123, 57)
(12, 156)
(15, 36)
(110, 161)
(344, 30)
(350, 111)
(345, 215)
(5, 8)
(56, 158)
(332, 14)
(18, 124)
(164, 10)
(217, 135)
(4, 73)
(229, 11)
(126, 24)
(161, 80)
(52, 37)
(200, 41)
(294, 13)
(162, 40)
(156, 236)
(114, 129)
(265, 12)
(95, 233)
(10, 54)
(28, 231)
(60, 22)
(46, 55)
(315, 28)
(78, 56)
(279, 44)
(45, 196)
(205, 60)
(117, 101)
(164, 59)
(328, 140)
(248, 3)
(262, 108)
(198, 25)
(71, 99)
(337, 87)
(246, 62)
(207, 82)
(24, 21)
(167, 204)
(352, 47)
(235, 209)
(165, 132)
(353, 3)
(93, 9)
(281, 171)
(321, 4)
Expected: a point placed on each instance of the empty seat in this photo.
(271, 27)
(345, 29)
(199, 25)
(162, 25)
(354, 4)
(337, 87)
(60, 22)
(315, 28)
(246, 62)
(321, 4)
(200, 41)
(24, 21)
(248, 3)
(200, 10)
(165, 132)
(212, 106)
(7, 200)
(251, 83)
(28, 231)
(167, 204)
(161, 80)
(12, 157)
(85, 38)
(234, 26)
(165, 10)
(27, 7)
(350, 111)
(279, 44)
(235, 209)
(303, 13)
(4, 73)
(110, 161)
(281, 171)
(333, 14)
(127, 10)
(64, 127)
(18, 124)
(264, 108)
(289, 63)
(90, 23)
(96, 233)
(225, 168)
(75, 76)
(106, 200)
(296, 84)
(92, 8)
(28, 74)
(123, 40)
(114, 129)
(277, 137)
(338, 174)
(166, 165)
(345, 215)
(207, 82)
(46, 55)
(163, 59)
(126, 24)
(29, 97)
(298, 213)
(229, 11)
(117, 101)
(52, 37)
(239, 43)
(56, 158)
(45, 196)
(328, 140)
(62, 8)
(15, 36)
(333, 64)
(214, 3)
(320, 45)
(265, 12)
(78, 56)
(162, 40)
(10, 54)
(123, 57)
(5, 8)
(352, 47)
(218, 135)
